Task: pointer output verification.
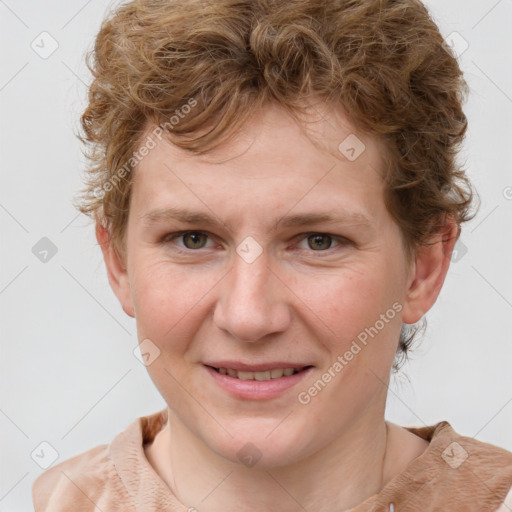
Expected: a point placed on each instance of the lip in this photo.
(257, 389)
(262, 367)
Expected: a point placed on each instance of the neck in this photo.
(346, 472)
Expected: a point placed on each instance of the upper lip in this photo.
(252, 367)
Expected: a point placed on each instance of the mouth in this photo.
(270, 374)
(266, 381)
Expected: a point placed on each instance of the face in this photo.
(271, 252)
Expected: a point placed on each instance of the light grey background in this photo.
(68, 374)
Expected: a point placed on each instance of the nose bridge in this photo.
(251, 305)
(251, 277)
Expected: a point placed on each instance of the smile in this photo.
(275, 373)
(256, 382)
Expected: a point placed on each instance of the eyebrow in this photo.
(298, 220)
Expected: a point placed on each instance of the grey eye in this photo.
(194, 240)
(319, 241)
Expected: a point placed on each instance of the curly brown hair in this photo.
(201, 68)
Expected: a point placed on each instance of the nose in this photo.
(253, 301)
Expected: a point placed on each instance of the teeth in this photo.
(262, 375)
(275, 373)
(246, 375)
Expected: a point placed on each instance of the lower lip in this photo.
(256, 389)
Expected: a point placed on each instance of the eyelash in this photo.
(342, 241)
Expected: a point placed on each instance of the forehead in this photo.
(272, 157)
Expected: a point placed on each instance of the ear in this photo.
(116, 271)
(429, 272)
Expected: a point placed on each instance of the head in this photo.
(250, 113)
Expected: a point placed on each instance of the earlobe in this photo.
(430, 269)
(116, 271)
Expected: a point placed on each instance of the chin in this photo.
(257, 446)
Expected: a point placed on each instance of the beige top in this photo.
(117, 477)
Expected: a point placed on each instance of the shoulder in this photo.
(506, 506)
(83, 481)
(104, 476)
(456, 449)
(465, 467)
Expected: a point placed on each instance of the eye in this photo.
(196, 240)
(321, 242)
(192, 240)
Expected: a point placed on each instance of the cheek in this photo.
(169, 307)
(347, 301)
(167, 301)
(357, 317)
(362, 310)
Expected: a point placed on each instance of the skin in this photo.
(290, 304)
